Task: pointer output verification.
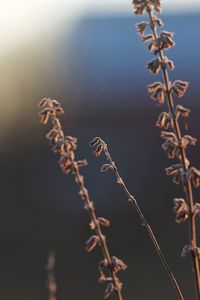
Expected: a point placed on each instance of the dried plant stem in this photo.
(102, 239)
(112, 166)
(51, 279)
(65, 146)
(186, 185)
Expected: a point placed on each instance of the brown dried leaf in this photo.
(180, 87)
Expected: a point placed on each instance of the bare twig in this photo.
(100, 146)
(65, 146)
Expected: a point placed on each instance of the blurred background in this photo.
(87, 55)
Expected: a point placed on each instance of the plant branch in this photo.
(187, 184)
(65, 146)
(112, 166)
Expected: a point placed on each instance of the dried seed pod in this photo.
(118, 264)
(194, 175)
(181, 210)
(147, 38)
(156, 4)
(59, 147)
(196, 210)
(180, 87)
(159, 95)
(151, 88)
(140, 27)
(165, 40)
(154, 65)
(187, 139)
(104, 222)
(169, 62)
(91, 243)
(44, 114)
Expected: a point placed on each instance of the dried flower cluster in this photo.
(65, 146)
(175, 143)
(99, 146)
(51, 279)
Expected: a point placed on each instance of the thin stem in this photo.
(103, 244)
(186, 186)
(51, 279)
(133, 201)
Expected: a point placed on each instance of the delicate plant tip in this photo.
(186, 250)
(159, 95)
(95, 141)
(104, 222)
(109, 290)
(179, 87)
(106, 167)
(181, 210)
(154, 65)
(196, 210)
(91, 243)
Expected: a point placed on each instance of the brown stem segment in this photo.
(103, 244)
(133, 201)
(186, 186)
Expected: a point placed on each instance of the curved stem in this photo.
(132, 200)
(186, 186)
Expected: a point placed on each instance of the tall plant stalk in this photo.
(51, 279)
(99, 145)
(65, 146)
(175, 142)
